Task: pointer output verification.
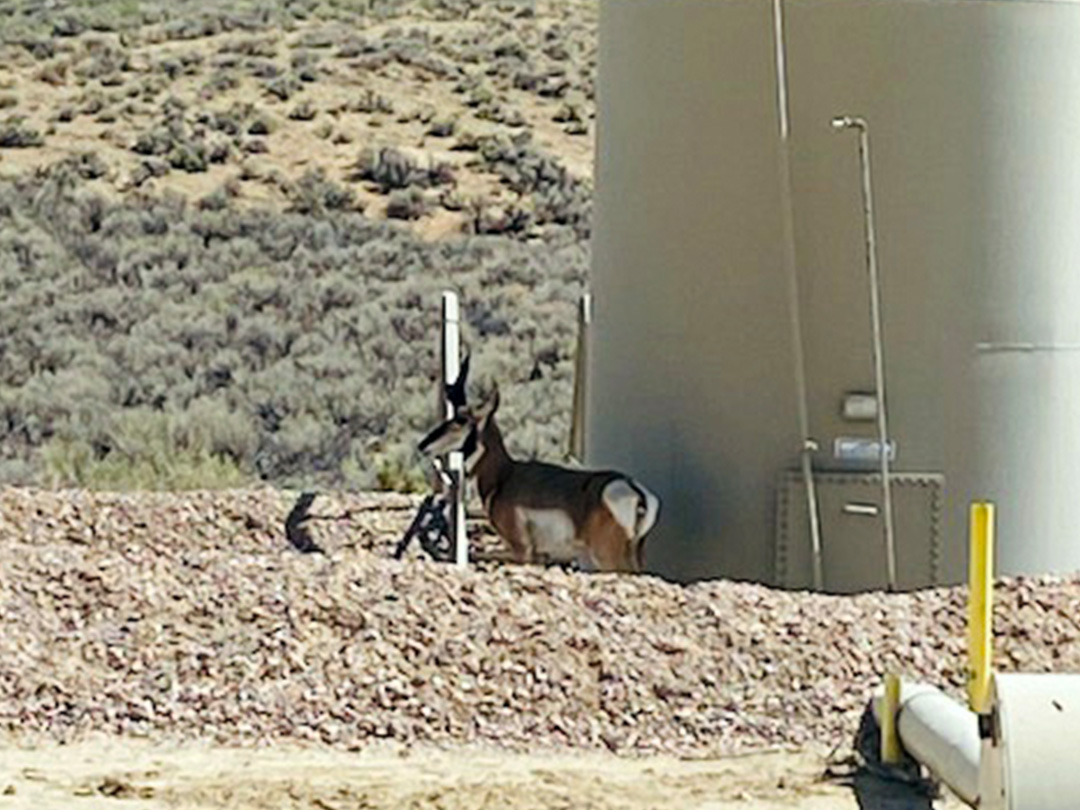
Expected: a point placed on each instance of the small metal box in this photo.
(852, 533)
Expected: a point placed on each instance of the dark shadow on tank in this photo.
(675, 550)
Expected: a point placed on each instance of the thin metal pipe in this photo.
(859, 124)
(807, 444)
(576, 452)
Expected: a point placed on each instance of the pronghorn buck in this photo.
(546, 512)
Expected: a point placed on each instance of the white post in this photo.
(455, 463)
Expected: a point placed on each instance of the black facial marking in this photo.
(434, 436)
(472, 442)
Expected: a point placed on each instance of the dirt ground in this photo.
(140, 775)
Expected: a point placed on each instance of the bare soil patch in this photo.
(147, 776)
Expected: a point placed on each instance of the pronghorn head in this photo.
(463, 431)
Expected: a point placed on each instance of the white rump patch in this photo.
(551, 531)
(622, 500)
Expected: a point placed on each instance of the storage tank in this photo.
(732, 326)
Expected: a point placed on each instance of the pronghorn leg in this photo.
(585, 562)
(519, 545)
(508, 525)
(609, 548)
(527, 539)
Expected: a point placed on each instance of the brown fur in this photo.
(530, 502)
(506, 484)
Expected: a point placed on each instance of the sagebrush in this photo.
(204, 345)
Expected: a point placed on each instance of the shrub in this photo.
(314, 194)
(158, 141)
(398, 475)
(406, 204)
(189, 157)
(15, 134)
(391, 169)
(260, 126)
(283, 87)
(153, 343)
(371, 102)
(304, 111)
(87, 165)
(148, 169)
(69, 25)
(442, 127)
(265, 47)
(220, 81)
(148, 455)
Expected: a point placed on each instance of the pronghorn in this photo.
(546, 512)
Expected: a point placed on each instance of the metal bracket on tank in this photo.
(1024, 348)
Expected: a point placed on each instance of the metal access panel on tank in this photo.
(852, 546)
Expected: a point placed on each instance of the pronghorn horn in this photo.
(455, 391)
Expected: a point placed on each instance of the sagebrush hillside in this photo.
(224, 232)
(247, 100)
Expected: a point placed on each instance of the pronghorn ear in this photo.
(487, 410)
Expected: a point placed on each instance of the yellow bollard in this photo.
(891, 752)
(981, 607)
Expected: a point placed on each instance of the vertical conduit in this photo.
(787, 216)
(877, 333)
(576, 451)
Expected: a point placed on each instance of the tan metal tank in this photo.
(731, 317)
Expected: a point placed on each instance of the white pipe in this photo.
(1030, 761)
(940, 734)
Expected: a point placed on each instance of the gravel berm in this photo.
(180, 616)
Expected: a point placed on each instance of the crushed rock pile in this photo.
(189, 616)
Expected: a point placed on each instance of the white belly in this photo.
(550, 532)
